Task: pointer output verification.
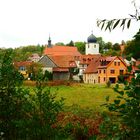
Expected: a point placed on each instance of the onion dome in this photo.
(92, 39)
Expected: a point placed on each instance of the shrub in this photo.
(126, 107)
(108, 83)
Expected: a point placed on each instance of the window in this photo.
(121, 72)
(104, 78)
(104, 71)
(118, 63)
(98, 79)
(99, 71)
(115, 63)
(22, 68)
(94, 46)
(112, 71)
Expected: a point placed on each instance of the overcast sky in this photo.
(29, 22)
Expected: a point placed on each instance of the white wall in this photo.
(92, 48)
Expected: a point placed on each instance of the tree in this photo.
(101, 44)
(59, 44)
(24, 113)
(108, 45)
(70, 44)
(125, 107)
(133, 46)
(80, 46)
(10, 96)
(116, 47)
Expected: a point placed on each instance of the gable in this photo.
(47, 62)
(117, 60)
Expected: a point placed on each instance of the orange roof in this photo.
(63, 61)
(60, 69)
(108, 60)
(86, 59)
(62, 50)
(93, 66)
(23, 63)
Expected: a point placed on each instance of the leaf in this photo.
(132, 15)
(102, 25)
(123, 22)
(128, 24)
(117, 22)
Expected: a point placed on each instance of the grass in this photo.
(84, 96)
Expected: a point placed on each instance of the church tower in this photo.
(92, 46)
(49, 42)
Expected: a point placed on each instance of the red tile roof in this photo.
(93, 66)
(23, 63)
(107, 58)
(62, 50)
(86, 59)
(60, 69)
(64, 61)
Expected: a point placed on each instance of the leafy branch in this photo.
(124, 22)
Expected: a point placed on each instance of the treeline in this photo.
(132, 48)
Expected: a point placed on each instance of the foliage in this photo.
(59, 44)
(133, 46)
(71, 43)
(10, 96)
(126, 106)
(48, 75)
(81, 47)
(108, 83)
(25, 114)
(23, 53)
(124, 23)
(116, 46)
(34, 69)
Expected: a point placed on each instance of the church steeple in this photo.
(49, 42)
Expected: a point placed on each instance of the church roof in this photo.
(62, 50)
(92, 39)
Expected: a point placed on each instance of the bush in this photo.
(25, 114)
(126, 107)
(108, 83)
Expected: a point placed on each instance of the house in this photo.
(111, 68)
(60, 60)
(22, 67)
(85, 61)
(59, 65)
(34, 57)
(90, 74)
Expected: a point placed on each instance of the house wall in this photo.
(61, 76)
(47, 62)
(90, 78)
(105, 73)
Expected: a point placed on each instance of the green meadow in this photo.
(84, 96)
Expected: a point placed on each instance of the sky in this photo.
(29, 22)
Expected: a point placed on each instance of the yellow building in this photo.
(110, 68)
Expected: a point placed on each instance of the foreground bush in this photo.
(25, 114)
(126, 109)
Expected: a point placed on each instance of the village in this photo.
(67, 63)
